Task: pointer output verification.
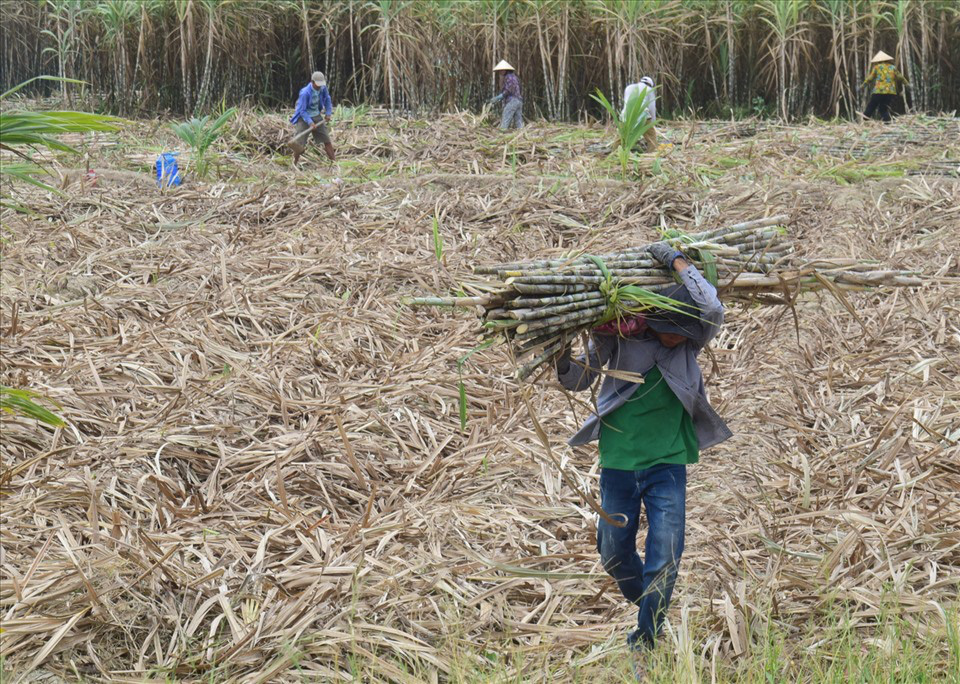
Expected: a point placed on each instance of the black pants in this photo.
(879, 102)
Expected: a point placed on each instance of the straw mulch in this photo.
(265, 479)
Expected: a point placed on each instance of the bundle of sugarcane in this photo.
(539, 306)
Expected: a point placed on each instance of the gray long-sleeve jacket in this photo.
(639, 354)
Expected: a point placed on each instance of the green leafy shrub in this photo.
(630, 128)
(200, 134)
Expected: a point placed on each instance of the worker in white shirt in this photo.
(644, 89)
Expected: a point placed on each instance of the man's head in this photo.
(673, 328)
(669, 340)
(318, 80)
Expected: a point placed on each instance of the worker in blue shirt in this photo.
(312, 96)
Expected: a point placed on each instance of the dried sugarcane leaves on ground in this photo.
(265, 477)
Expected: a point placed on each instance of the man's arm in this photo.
(702, 292)
(581, 374)
(705, 295)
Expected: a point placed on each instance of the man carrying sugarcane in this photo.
(312, 96)
(652, 419)
(644, 89)
(511, 96)
(885, 78)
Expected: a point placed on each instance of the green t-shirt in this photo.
(651, 428)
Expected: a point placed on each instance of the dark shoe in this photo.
(638, 642)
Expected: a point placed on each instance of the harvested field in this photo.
(264, 477)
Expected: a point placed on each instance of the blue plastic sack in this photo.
(167, 171)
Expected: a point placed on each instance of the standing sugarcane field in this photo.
(508, 341)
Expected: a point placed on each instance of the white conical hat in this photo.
(881, 57)
(503, 66)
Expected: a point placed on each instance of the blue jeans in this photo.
(647, 583)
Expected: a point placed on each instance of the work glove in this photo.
(665, 253)
(495, 100)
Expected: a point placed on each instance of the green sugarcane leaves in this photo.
(200, 134)
(21, 402)
(24, 129)
(630, 127)
(437, 239)
(627, 300)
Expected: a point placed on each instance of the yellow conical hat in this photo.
(503, 66)
(881, 57)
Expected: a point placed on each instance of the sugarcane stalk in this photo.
(715, 240)
(501, 324)
(741, 227)
(555, 279)
(570, 328)
(524, 302)
(897, 278)
(720, 235)
(623, 269)
(452, 301)
(528, 368)
(532, 343)
(563, 320)
(548, 311)
(532, 289)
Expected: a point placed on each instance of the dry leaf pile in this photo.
(264, 477)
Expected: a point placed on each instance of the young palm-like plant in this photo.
(630, 127)
(200, 134)
(22, 129)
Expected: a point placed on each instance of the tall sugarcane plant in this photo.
(630, 127)
(187, 55)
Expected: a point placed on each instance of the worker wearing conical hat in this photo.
(511, 96)
(885, 78)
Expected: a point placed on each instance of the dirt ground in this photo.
(264, 475)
